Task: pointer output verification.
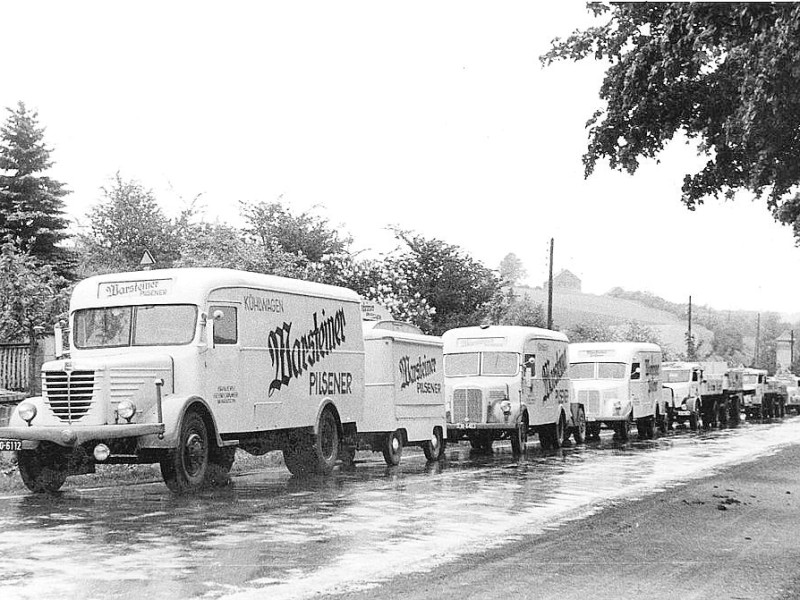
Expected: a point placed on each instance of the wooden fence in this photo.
(15, 365)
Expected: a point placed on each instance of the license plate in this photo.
(466, 426)
(684, 413)
(10, 445)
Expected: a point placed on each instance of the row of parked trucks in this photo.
(181, 367)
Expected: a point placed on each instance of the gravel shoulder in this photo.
(733, 535)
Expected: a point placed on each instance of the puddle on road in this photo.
(295, 539)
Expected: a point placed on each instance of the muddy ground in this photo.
(734, 535)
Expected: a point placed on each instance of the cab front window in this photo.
(146, 325)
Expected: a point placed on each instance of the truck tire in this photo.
(434, 447)
(694, 419)
(309, 454)
(662, 422)
(735, 412)
(551, 436)
(393, 448)
(593, 431)
(43, 470)
(519, 436)
(184, 468)
(579, 432)
(622, 429)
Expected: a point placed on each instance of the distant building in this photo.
(784, 350)
(565, 281)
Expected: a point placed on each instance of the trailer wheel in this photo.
(184, 468)
(579, 433)
(393, 448)
(43, 470)
(220, 461)
(519, 436)
(434, 447)
(308, 454)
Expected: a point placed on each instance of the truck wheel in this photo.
(393, 448)
(434, 447)
(44, 469)
(661, 422)
(579, 432)
(308, 454)
(736, 412)
(694, 419)
(220, 461)
(184, 468)
(519, 436)
(593, 431)
(622, 429)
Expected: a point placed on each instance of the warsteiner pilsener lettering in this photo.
(292, 357)
(413, 372)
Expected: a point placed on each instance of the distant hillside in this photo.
(571, 308)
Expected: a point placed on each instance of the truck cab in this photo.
(686, 384)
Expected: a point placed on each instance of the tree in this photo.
(512, 269)
(32, 296)
(458, 287)
(31, 203)
(724, 74)
(127, 222)
(307, 235)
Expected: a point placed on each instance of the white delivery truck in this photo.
(619, 383)
(707, 394)
(502, 382)
(182, 366)
(790, 381)
(404, 402)
(756, 397)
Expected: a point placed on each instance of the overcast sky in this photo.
(435, 116)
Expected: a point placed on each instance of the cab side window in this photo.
(636, 370)
(225, 331)
(695, 376)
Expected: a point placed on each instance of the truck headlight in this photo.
(126, 409)
(27, 412)
(505, 406)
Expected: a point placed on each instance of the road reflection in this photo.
(293, 538)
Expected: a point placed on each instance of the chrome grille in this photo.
(467, 405)
(69, 394)
(591, 401)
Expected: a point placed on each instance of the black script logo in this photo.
(552, 374)
(413, 372)
(292, 357)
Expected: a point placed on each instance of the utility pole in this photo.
(791, 352)
(690, 350)
(550, 290)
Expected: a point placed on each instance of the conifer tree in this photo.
(31, 203)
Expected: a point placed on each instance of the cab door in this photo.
(224, 391)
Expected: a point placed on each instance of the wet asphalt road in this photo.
(273, 535)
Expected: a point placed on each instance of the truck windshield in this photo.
(604, 370)
(481, 363)
(149, 325)
(581, 370)
(671, 376)
(749, 379)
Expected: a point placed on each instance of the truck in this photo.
(703, 394)
(775, 398)
(619, 384)
(790, 380)
(506, 382)
(181, 367)
(757, 400)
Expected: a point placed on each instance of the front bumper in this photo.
(75, 436)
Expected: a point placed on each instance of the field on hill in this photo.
(571, 308)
